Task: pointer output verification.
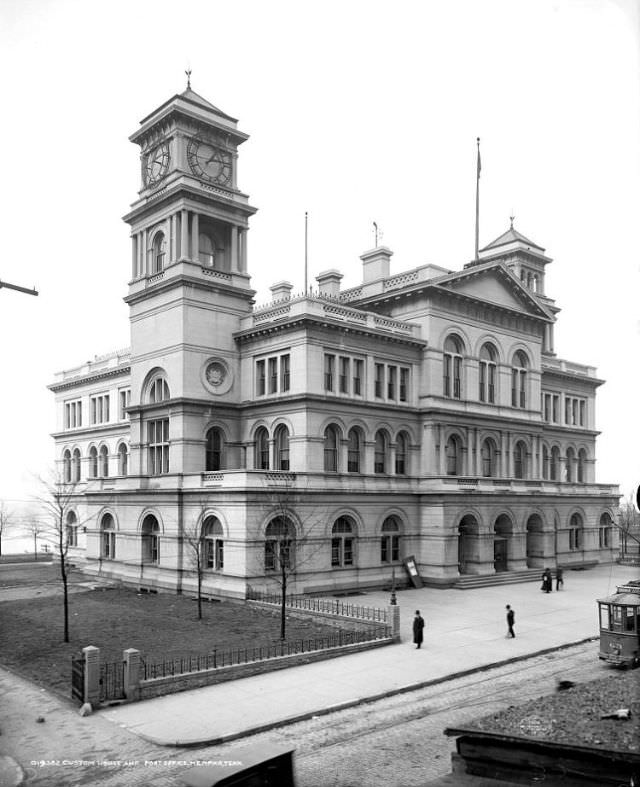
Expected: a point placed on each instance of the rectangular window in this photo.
(404, 384)
(391, 381)
(457, 373)
(567, 410)
(285, 372)
(158, 442)
(273, 375)
(358, 369)
(604, 616)
(379, 380)
(219, 553)
(582, 412)
(125, 400)
(100, 409)
(329, 371)
(554, 409)
(260, 378)
(73, 414)
(344, 374)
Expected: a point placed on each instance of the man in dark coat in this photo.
(547, 581)
(418, 626)
(511, 619)
(559, 578)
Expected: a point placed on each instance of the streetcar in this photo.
(620, 626)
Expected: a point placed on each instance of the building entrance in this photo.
(500, 554)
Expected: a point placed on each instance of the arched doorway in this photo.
(502, 531)
(535, 542)
(467, 535)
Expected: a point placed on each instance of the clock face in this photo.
(157, 164)
(209, 162)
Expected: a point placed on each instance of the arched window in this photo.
(488, 454)
(354, 457)
(150, 540)
(342, 541)
(214, 453)
(402, 443)
(604, 531)
(104, 462)
(72, 529)
(520, 460)
(93, 462)
(454, 455)
(390, 541)
(75, 465)
(554, 464)
(519, 380)
(582, 464)
(158, 253)
(281, 448)
(575, 532)
(123, 459)
(488, 359)
(158, 390)
(262, 449)
(107, 537)
(206, 250)
(279, 545)
(66, 466)
(381, 449)
(212, 544)
(452, 380)
(570, 462)
(330, 449)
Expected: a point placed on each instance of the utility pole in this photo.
(16, 287)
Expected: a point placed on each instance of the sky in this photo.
(358, 112)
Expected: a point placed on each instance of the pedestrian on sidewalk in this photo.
(418, 626)
(559, 579)
(547, 581)
(511, 619)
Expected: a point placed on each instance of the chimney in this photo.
(375, 264)
(281, 291)
(329, 283)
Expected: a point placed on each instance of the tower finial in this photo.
(512, 219)
(188, 73)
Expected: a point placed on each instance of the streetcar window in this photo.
(604, 616)
(629, 623)
(616, 618)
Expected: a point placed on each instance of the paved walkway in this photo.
(466, 630)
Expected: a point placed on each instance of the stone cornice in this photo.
(171, 282)
(303, 321)
(89, 378)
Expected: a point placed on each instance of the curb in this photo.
(355, 702)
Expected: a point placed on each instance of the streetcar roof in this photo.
(628, 599)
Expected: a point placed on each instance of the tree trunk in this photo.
(199, 566)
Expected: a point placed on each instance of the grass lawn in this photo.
(114, 619)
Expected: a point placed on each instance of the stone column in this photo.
(442, 469)
(144, 269)
(195, 238)
(234, 262)
(184, 235)
(173, 253)
(134, 257)
(91, 675)
(131, 658)
(243, 251)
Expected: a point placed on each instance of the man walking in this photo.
(418, 626)
(559, 579)
(511, 619)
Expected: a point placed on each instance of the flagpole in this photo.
(478, 201)
(306, 258)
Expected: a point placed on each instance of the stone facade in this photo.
(424, 413)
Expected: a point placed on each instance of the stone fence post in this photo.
(91, 675)
(131, 658)
(394, 622)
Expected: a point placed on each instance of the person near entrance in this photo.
(511, 619)
(559, 579)
(418, 627)
(547, 581)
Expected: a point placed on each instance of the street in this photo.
(396, 741)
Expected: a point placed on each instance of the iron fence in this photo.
(184, 665)
(326, 605)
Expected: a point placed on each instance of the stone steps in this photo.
(502, 578)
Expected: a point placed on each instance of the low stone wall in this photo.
(156, 687)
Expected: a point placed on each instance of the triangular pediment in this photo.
(494, 284)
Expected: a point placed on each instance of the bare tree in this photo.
(283, 553)
(198, 548)
(54, 502)
(35, 529)
(6, 520)
(629, 525)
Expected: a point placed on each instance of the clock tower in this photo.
(189, 285)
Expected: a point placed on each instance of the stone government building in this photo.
(423, 413)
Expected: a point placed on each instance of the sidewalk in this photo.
(465, 631)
